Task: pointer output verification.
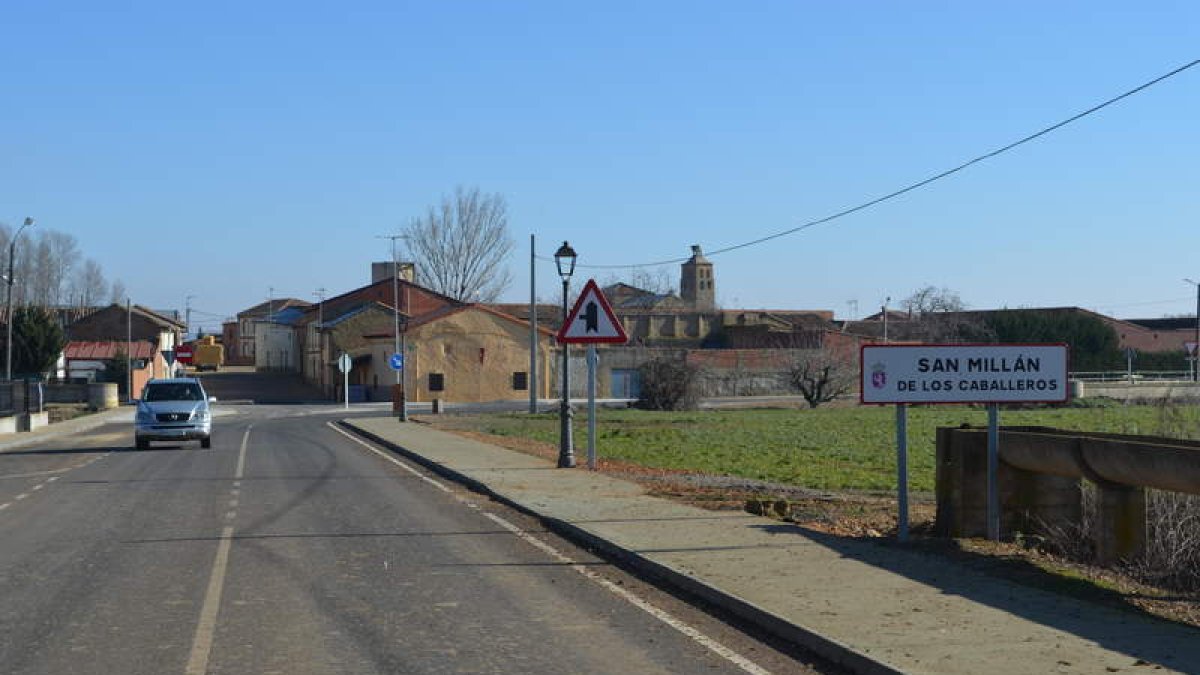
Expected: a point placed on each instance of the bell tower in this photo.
(697, 286)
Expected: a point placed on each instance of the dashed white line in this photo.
(206, 629)
(21, 496)
(696, 636)
(37, 487)
(5, 506)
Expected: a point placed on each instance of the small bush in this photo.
(668, 384)
(1172, 558)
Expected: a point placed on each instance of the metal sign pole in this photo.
(902, 470)
(591, 391)
(993, 468)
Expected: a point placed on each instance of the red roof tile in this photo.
(102, 351)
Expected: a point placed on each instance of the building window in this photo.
(437, 382)
(521, 381)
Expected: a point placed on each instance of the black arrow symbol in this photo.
(591, 319)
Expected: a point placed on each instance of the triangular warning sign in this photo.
(592, 319)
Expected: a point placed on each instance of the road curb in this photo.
(773, 624)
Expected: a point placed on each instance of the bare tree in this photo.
(64, 256)
(39, 276)
(932, 299)
(117, 294)
(822, 376)
(90, 285)
(460, 247)
(656, 280)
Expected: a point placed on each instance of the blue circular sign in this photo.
(396, 362)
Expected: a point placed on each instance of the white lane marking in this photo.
(241, 465)
(21, 496)
(389, 458)
(39, 474)
(51, 480)
(5, 506)
(696, 636)
(206, 630)
(39, 486)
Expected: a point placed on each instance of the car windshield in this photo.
(173, 391)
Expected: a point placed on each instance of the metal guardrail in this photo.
(1136, 376)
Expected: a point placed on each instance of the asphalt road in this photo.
(290, 548)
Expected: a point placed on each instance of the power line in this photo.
(918, 184)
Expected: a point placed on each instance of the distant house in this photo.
(86, 360)
(240, 349)
(113, 323)
(454, 351)
(457, 353)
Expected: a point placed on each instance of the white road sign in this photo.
(592, 320)
(964, 373)
(344, 363)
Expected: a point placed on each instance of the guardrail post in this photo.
(1121, 522)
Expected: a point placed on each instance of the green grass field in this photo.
(827, 448)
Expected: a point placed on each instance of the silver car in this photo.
(173, 410)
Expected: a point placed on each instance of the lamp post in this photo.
(564, 259)
(1196, 344)
(8, 317)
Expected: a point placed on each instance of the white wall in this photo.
(276, 347)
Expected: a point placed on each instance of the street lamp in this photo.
(8, 317)
(1196, 344)
(564, 259)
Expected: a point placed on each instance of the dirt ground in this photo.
(874, 516)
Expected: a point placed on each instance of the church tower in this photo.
(696, 283)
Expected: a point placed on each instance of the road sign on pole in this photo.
(344, 363)
(592, 320)
(396, 361)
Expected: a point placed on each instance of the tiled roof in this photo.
(103, 351)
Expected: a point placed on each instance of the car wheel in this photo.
(206, 443)
(142, 444)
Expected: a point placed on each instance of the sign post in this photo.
(590, 322)
(902, 471)
(591, 389)
(344, 364)
(986, 374)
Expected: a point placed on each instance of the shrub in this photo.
(668, 384)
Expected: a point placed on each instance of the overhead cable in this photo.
(914, 186)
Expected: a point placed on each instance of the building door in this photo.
(626, 383)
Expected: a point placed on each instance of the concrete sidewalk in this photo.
(871, 608)
(76, 425)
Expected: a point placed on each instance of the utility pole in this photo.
(401, 394)
(1194, 352)
(885, 317)
(187, 321)
(533, 328)
(128, 349)
(319, 366)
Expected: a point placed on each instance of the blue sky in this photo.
(223, 149)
